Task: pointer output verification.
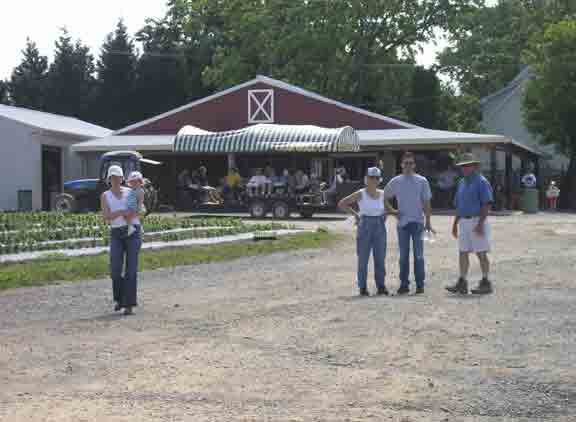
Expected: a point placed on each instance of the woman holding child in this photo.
(121, 208)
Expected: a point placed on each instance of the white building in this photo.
(502, 114)
(35, 155)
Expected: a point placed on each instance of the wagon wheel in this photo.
(258, 209)
(281, 210)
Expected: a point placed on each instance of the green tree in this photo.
(28, 80)
(116, 69)
(550, 97)
(70, 86)
(424, 105)
(460, 112)
(487, 42)
(356, 51)
(161, 72)
(4, 93)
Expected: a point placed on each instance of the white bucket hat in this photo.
(115, 170)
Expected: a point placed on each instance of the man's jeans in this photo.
(411, 231)
(371, 237)
(124, 250)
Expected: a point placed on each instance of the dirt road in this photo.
(283, 338)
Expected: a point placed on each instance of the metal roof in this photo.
(53, 122)
(127, 142)
(267, 138)
(430, 137)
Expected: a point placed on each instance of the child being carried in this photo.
(135, 198)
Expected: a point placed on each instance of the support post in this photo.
(508, 182)
(493, 166)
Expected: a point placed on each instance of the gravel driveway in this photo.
(283, 338)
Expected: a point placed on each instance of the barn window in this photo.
(261, 106)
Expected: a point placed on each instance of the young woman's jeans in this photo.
(124, 251)
(371, 238)
(411, 232)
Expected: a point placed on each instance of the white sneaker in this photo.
(131, 230)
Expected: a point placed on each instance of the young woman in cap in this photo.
(124, 248)
(371, 230)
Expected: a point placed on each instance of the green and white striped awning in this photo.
(267, 138)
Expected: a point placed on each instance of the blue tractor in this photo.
(84, 195)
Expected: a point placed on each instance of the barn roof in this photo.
(273, 83)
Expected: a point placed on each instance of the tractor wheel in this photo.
(65, 203)
(150, 199)
(258, 209)
(281, 210)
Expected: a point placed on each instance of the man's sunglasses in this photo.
(409, 163)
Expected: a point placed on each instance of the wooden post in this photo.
(508, 181)
(493, 165)
(536, 164)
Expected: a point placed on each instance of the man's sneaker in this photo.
(419, 290)
(382, 291)
(403, 291)
(484, 288)
(461, 287)
(364, 292)
(131, 230)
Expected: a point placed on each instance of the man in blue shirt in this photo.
(473, 202)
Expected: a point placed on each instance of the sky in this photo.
(90, 21)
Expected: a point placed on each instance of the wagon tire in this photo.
(258, 209)
(65, 203)
(281, 210)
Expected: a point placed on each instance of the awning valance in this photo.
(267, 138)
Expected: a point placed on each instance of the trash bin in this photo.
(24, 200)
(529, 200)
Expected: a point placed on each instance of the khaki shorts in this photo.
(469, 240)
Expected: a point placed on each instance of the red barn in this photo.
(266, 100)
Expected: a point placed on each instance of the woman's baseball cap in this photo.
(115, 170)
(373, 172)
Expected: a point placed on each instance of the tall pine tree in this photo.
(28, 81)
(162, 75)
(423, 108)
(71, 79)
(4, 92)
(114, 107)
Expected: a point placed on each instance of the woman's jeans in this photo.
(371, 237)
(411, 232)
(124, 251)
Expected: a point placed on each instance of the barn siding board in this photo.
(230, 112)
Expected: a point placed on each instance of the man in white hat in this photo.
(473, 201)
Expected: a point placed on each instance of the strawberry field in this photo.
(45, 231)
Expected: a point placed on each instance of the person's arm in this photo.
(427, 205)
(345, 204)
(457, 217)
(455, 226)
(106, 213)
(140, 210)
(486, 198)
(389, 194)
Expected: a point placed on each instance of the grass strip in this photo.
(42, 272)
